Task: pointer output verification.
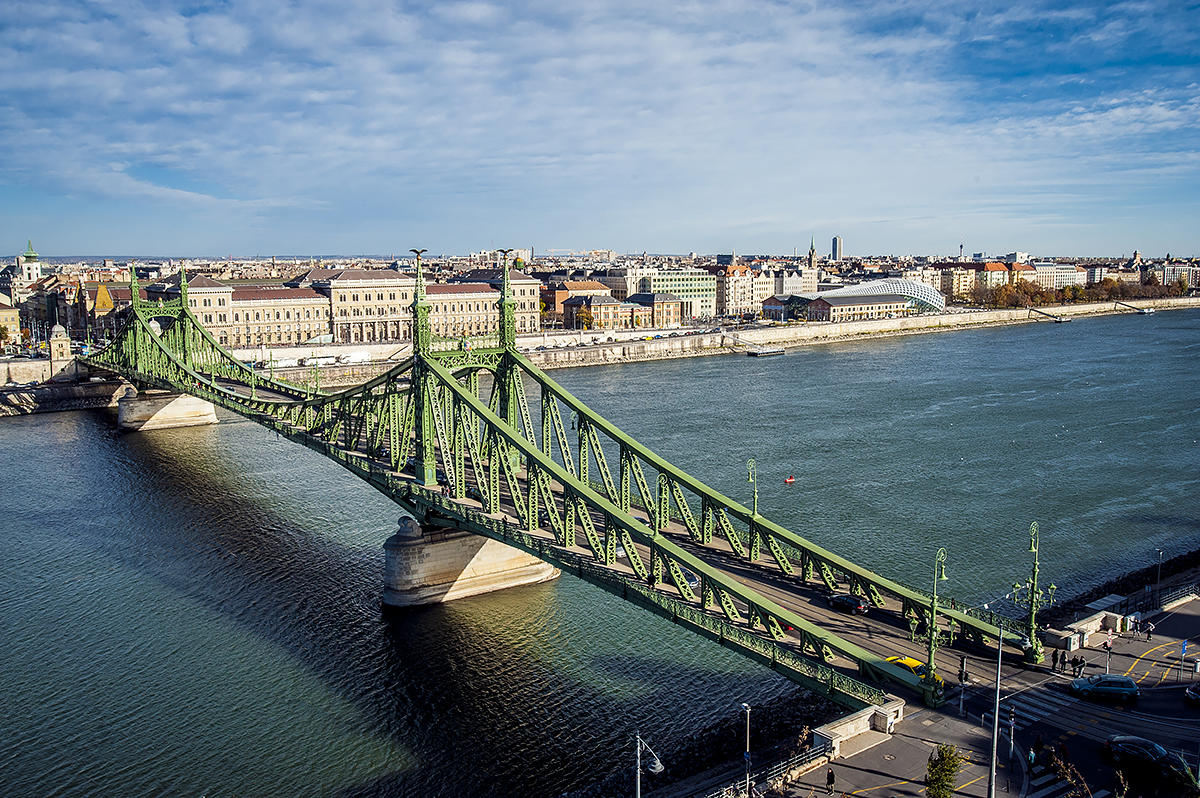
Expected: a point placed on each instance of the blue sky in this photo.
(363, 126)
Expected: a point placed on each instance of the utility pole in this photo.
(991, 789)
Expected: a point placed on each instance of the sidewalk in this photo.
(896, 767)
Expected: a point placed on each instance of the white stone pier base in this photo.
(432, 566)
(162, 410)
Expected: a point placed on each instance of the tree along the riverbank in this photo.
(1026, 294)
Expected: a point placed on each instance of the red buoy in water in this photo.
(789, 480)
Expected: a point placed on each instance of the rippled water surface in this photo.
(195, 611)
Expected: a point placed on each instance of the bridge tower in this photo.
(151, 409)
(428, 560)
(423, 382)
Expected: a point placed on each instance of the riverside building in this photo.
(344, 306)
(696, 288)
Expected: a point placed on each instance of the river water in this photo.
(195, 612)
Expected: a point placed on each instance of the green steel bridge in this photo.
(493, 456)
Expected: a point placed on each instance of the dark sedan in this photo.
(844, 602)
(1108, 687)
(1192, 694)
(1148, 758)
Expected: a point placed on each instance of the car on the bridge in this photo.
(1149, 759)
(1107, 686)
(915, 666)
(845, 602)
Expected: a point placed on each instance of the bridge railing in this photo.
(773, 772)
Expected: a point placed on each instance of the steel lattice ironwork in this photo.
(453, 436)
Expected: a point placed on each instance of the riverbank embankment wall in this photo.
(54, 397)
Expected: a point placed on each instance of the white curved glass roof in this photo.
(928, 297)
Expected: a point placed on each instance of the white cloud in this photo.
(737, 115)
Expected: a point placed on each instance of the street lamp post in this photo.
(747, 708)
(1035, 598)
(752, 470)
(939, 574)
(655, 764)
(1158, 580)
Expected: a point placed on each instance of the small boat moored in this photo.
(765, 351)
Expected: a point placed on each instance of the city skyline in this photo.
(746, 127)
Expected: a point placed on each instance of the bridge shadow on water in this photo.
(530, 691)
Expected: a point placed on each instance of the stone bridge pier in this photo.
(431, 564)
(150, 410)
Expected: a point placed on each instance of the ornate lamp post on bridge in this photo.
(1034, 598)
(939, 575)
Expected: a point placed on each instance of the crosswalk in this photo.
(1058, 709)
(1044, 783)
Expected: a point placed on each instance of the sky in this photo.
(363, 127)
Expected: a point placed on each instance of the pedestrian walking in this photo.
(1082, 665)
(1149, 630)
(1054, 661)
(829, 779)
(1062, 663)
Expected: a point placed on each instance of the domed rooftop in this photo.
(926, 296)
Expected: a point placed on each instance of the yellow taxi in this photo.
(915, 666)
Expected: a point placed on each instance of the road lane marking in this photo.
(865, 790)
(1158, 647)
(969, 783)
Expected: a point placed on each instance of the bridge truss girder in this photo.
(424, 434)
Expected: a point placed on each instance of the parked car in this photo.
(844, 602)
(1192, 693)
(916, 667)
(1148, 758)
(1107, 686)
